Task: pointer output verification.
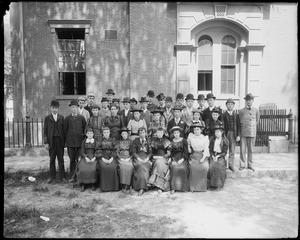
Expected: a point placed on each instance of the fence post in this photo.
(291, 126)
(28, 136)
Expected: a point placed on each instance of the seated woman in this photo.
(179, 169)
(125, 160)
(136, 123)
(95, 122)
(86, 170)
(161, 150)
(199, 152)
(218, 147)
(141, 152)
(115, 122)
(107, 164)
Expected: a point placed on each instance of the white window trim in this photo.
(72, 23)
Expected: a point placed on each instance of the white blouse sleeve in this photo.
(206, 146)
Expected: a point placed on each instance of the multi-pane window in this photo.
(71, 61)
(205, 63)
(228, 59)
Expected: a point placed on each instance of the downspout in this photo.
(24, 110)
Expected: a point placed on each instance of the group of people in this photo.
(167, 147)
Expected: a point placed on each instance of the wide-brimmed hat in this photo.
(73, 102)
(136, 109)
(150, 93)
(176, 128)
(115, 100)
(91, 94)
(156, 111)
(218, 126)
(196, 111)
(110, 91)
(179, 96)
(210, 95)
(81, 99)
(216, 110)
(169, 99)
(197, 124)
(126, 99)
(201, 97)
(177, 107)
(189, 96)
(104, 99)
(123, 129)
(160, 96)
(94, 106)
(230, 100)
(144, 99)
(54, 103)
(133, 100)
(249, 96)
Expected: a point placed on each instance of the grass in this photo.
(73, 195)
(40, 189)
(57, 193)
(16, 212)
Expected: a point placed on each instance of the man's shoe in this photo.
(141, 192)
(231, 169)
(50, 180)
(241, 168)
(251, 168)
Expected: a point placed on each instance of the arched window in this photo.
(205, 63)
(228, 65)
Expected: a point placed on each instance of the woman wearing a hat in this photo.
(179, 170)
(124, 159)
(95, 122)
(114, 122)
(199, 152)
(155, 123)
(136, 123)
(196, 118)
(218, 147)
(210, 123)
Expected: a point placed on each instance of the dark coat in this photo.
(137, 146)
(74, 130)
(206, 115)
(236, 123)
(126, 118)
(224, 146)
(209, 127)
(182, 124)
(49, 129)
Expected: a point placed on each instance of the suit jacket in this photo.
(49, 129)
(249, 120)
(168, 116)
(182, 124)
(236, 123)
(206, 114)
(74, 130)
(85, 113)
(126, 118)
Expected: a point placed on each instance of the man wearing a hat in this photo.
(187, 113)
(180, 100)
(212, 122)
(54, 141)
(133, 103)
(116, 101)
(177, 121)
(150, 97)
(74, 129)
(206, 114)
(145, 114)
(249, 119)
(104, 112)
(109, 94)
(168, 114)
(126, 113)
(81, 110)
(161, 100)
(232, 130)
(201, 102)
(90, 100)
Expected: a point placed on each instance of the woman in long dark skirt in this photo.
(199, 152)
(125, 160)
(179, 170)
(107, 163)
(161, 150)
(141, 152)
(218, 147)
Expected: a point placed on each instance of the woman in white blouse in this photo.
(199, 152)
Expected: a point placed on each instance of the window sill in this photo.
(69, 97)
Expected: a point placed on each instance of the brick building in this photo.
(65, 50)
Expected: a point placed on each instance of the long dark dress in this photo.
(160, 147)
(217, 170)
(108, 173)
(96, 123)
(198, 171)
(115, 123)
(141, 171)
(179, 172)
(125, 168)
(87, 172)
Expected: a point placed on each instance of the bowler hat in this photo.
(197, 124)
(169, 99)
(54, 103)
(216, 110)
(136, 109)
(230, 100)
(110, 91)
(104, 99)
(126, 99)
(143, 99)
(189, 96)
(176, 128)
(210, 95)
(201, 97)
(179, 96)
(160, 96)
(81, 99)
(249, 96)
(177, 107)
(115, 100)
(150, 93)
(73, 102)
(123, 129)
(90, 94)
(133, 100)
(94, 106)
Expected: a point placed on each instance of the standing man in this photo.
(201, 102)
(161, 99)
(249, 119)
(177, 121)
(81, 110)
(206, 114)
(104, 112)
(116, 101)
(74, 126)
(232, 130)
(54, 141)
(150, 96)
(90, 100)
(133, 103)
(180, 100)
(187, 113)
(145, 114)
(110, 94)
(126, 113)
(168, 113)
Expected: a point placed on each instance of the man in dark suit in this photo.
(126, 113)
(150, 96)
(145, 114)
(231, 123)
(177, 121)
(206, 114)
(90, 100)
(54, 140)
(74, 133)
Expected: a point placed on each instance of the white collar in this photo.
(90, 140)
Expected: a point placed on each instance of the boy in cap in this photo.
(81, 110)
(206, 114)
(54, 140)
(150, 96)
(74, 130)
(249, 119)
(232, 130)
(90, 100)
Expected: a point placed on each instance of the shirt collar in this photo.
(90, 140)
